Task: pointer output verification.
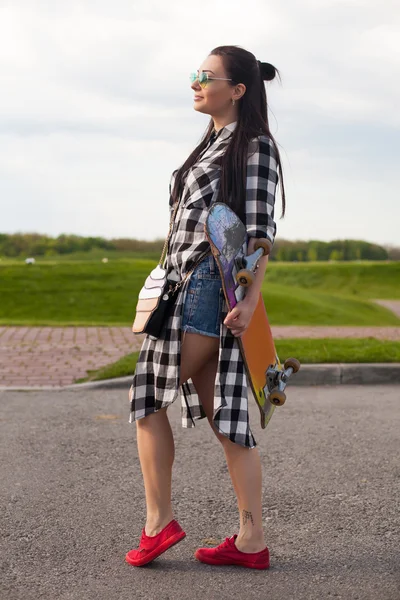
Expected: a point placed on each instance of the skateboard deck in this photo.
(228, 240)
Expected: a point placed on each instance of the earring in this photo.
(233, 102)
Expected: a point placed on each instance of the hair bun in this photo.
(267, 70)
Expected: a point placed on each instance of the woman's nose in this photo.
(195, 85)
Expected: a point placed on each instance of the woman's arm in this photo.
(262, 178)
(239, 317)
(253, 292)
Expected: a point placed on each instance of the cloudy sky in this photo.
(96, 111)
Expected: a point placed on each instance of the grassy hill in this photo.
(357, 279)
(89, 292)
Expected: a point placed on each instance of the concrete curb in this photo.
(319, 374)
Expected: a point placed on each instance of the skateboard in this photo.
(228, 240)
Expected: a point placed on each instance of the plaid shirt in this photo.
(156, 379)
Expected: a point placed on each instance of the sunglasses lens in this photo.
(201, 76)
(203, 79)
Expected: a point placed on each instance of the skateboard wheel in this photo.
(292, 362)
(245, 277)
(264, 244)
(277, 398)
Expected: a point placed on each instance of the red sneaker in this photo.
(227, 554)
(152, 546)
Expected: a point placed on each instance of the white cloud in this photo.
(96, 111)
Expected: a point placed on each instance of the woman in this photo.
(197, 356)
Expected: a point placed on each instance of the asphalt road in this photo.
(73, 501)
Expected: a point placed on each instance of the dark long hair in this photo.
(242, 67)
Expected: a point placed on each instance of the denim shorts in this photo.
(204, 300)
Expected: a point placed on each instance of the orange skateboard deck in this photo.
(228, 240)
(258, 348)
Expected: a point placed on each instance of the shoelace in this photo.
(228, 543)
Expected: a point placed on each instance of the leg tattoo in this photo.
(247, 516)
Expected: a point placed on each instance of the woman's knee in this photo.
(223, 439)
(153, 419)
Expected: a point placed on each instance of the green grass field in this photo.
(307, 351)
(362, 279)
(89, 292)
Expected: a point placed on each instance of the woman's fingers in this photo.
(235, 324)
(237, 329)
(237, 333)
(237, 321)
(232, 317)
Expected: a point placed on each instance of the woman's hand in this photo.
(238, 319)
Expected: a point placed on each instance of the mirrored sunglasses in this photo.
(204, 78)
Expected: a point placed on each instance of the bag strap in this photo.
(164, 250)
(198, 261)
(214, 135)
(171, 223)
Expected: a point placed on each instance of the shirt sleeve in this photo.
(261, 182)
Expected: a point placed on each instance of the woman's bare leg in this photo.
(244, 467)
(196, 351)
(155, 441)
(156, 454)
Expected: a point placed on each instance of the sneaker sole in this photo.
(174, 539)
(213, 561)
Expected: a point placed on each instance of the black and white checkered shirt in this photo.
(156, 379)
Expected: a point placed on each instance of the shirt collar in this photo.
(226, 131)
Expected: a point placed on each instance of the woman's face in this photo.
(216, 97)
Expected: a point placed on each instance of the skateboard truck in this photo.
(247, 265)
(277, 381)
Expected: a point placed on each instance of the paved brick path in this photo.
(35, 356)
(54, 356)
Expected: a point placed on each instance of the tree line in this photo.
(18, 245)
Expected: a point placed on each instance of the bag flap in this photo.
(158, 273)
(146, 293)
(154, 283)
